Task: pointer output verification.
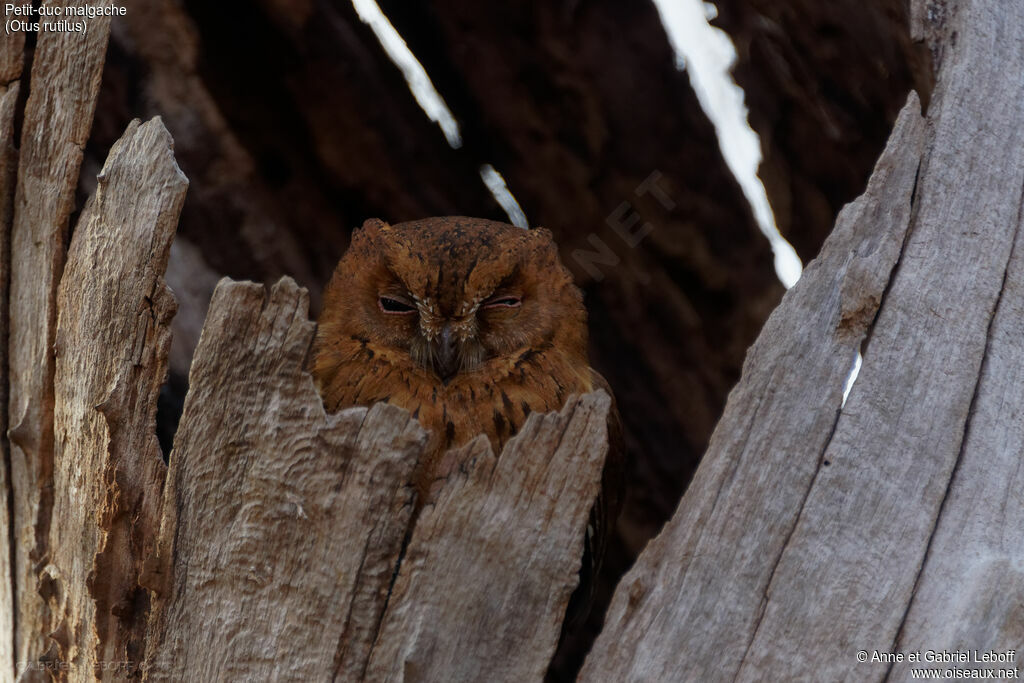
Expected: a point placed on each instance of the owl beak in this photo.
(447, 354)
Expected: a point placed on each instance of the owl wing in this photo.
(605, 511)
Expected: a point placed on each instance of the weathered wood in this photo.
(112, 343)
(283, 528)
(281, 525)
(11, 62)
(286, 548)
(690, 606)
(12, 57)
(259, 97)
(854, 538)
(869, 519)
(969, 592)
(65, 79)
(486, 578)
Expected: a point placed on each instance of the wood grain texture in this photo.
(284, 528)
(281, 525)
(65, 79)
(287, 545)
(968, 594)
(113, 334)
(852, 563)
(12, 57)
(11, 62)
(485, 581)
(902, 534)
(691, 605)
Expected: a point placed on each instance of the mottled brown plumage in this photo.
(470, 325)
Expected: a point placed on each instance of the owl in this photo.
(470, 325)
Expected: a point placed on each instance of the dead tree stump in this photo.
(280, 543)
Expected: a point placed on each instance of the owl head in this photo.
(450, 296)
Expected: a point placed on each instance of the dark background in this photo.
(293, 127)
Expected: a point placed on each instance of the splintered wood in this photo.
(283, 527)
(712, 565)
(111, 358)
(281, 524)
(283, 544)
(276, 550)
(65, 79)
(273, 547)
(474, 579)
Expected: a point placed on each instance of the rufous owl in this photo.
(470, 325)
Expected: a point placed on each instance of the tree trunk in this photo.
(113, 334)
(65, 79)
(813, 530)
(11, 60)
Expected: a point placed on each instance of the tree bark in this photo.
(474, 556)
(113, 334)
(281, 526)
(65, 79)
(294, 127)
(11, 63)
(813, 530)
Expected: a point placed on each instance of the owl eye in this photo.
(394, 306)
(503, 301)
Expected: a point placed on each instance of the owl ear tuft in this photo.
(544, 240)
(543, 246)
(375, 224)
(368, 235)
(542, 234)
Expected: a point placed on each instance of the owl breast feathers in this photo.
(470, 325)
